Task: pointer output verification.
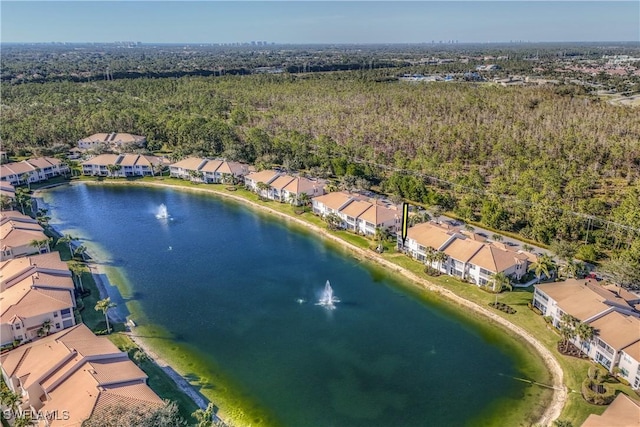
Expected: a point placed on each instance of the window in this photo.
(57, 325)
(65, 312)
(19, 337)
(55, 314)
(16, 326)
(601, 359)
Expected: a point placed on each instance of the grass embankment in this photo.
(576, 408)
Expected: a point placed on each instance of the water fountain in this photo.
(327, 299)
(162, 212)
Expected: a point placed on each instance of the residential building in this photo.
(283, 187)
(32, 170)
(112, 141)
(622, 412)
(7, 190)
(611, 311)
(18, 233)
(35, 291)
(76, 375)
(266, 177)
(359, 213)
(208, 170)
(468, 256)
(122, 165)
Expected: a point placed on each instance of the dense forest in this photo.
(551, 163)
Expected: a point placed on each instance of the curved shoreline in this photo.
(560, 394)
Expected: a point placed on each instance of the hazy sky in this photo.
(318, 22)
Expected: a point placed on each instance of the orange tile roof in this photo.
(617, 330)
(265, 176)
(355, 208)
(190, 163)
(497, 258)
(463, 250)
(378, 214)
(334, 200)
(622, 412)
(429, 234)
(25, 302)
(282, 181)
(102, 160)
(211, 166)
(633, 350)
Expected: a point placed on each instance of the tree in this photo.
(333, 221)
(500, 281)
(77, 268)
(39, 244)
(104, 305)
(6, 202)
(11, 400)
(42, 217)
(304, 199)
(81, 250)
(497, 237)
(440, 258)
(205, 418)
(430, 256)
(45, 328)
(526, 247)
(113, 169)
(543, 265)
(565, 251)
(567, 328)
(68, 239)
(24, 179)
(23, 197)
(586, 333)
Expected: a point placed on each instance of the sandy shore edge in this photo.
(560, 392)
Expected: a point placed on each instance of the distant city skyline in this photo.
(312, 22)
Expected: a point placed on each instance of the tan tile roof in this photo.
(463, 250)
(429, 234)
(25, 302)
(211, 166)
(234, 168)
(580, 298)
(16, 168)
(44, 162)
(96, 137)
(14, 236)
(51, 261)
(622, 412)
(113, 137)
(379, 214)
(334, 200)
(128, 159)
(15, 216)
(304, 185)
(102, 160)
(617, 330)
(146, 160)
(497, 258)
(633, 350)
(265, 176)
(282, 181)
(355, 208)
(190, 163)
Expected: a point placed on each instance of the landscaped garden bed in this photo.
(502, 307)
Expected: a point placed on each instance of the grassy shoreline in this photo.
(442, 291)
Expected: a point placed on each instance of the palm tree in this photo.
(77, 268)
(104, 305)
(45, 328)
(572, 269)
(567, 328)
(262, 187)
(304, 199)
(6, 202)
(526, 247)
(430, 256)
(333, 221)
(44, 243)
(80, 250)
(500, 281)
(24, 178)
(112, 169)
(440, 258)
(543, 265)
(42, 217)
(497, 237)
(586, 333)
(11, 400)
(22, 197)
(68, 238)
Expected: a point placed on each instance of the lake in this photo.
(239, 290)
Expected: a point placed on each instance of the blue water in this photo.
(228, 281)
